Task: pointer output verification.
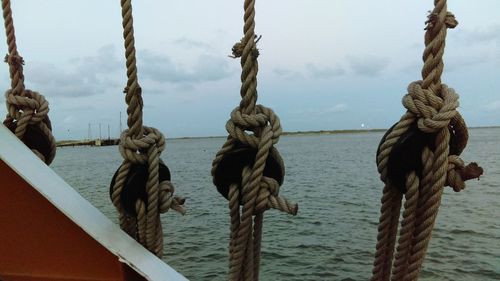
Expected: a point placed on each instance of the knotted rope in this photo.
(26, 110)
(434, 134)
(140, 147)
(253, 130)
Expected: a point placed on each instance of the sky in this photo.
(323, 64)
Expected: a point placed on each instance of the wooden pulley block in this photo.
(230, 168)
(135, 185)
(34, 138)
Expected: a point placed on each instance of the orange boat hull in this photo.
(38, 242)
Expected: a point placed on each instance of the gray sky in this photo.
(324, 64)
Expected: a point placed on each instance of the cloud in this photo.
(192, 44)
(104, 62)
(287, 73)
(493, 106)
(341, 107)
(160, 68)
(460, 61)
(51, 80)
(324, 72)
(368, 66)
(312, 70)
(337, 108)
(91, 75)
(480, 35)
(87, 76)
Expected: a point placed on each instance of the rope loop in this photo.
(240, 124)
(26, 110)
(141, 188)
(31, 108)
(138, 151)
(28, 119)
(268, 197)
(434, 111)
(417, 157)
(168, 201)
(248, 170)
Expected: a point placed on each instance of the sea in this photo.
(334, 180)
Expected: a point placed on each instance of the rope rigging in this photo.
(27, 110)
(141, 188)
(248, 170)
(417, 157)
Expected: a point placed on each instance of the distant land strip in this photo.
(296, 133)
(333, 132)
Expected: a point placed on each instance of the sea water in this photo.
(334, 180)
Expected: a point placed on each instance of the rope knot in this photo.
(139, 150)
(434, 111)
(239, 47)
(264, 120)
(250, 161)
(268, 197)
(434, 20)
(454, 178)
(168, 200)
(14, 60)
(31, 107)
(28, 119)
(458, 173)
(401, 149)
(141, 187)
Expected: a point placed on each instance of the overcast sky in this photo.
(324, 64)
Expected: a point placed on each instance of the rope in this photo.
(141, 145)
(27, 111)
(257, 129)
(431, 115)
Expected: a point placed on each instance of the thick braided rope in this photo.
(432, 106)
(387, 231)
(132, 91)
(141, 145)
(249, 63)
(407, 227)
(258, 192)
(24, 107)
(16, 65)
(439, 20)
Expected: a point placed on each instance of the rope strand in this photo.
(253, 130)
(27, 115)
(141, 146)
(431, 113)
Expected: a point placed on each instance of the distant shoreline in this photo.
(334, 132)
(296, 133)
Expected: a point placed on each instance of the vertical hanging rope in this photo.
(417, 157)
(248, 170)
(26, 110)
(141, 188)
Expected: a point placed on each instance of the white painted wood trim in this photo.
(42, 178)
